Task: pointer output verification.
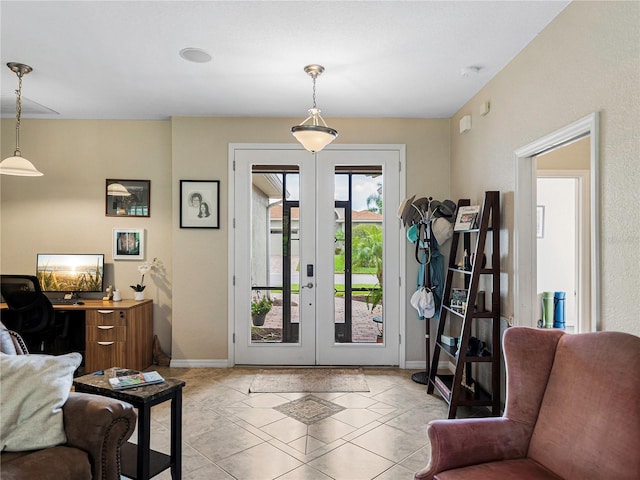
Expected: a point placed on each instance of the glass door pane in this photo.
(275, 254)
(358, 255)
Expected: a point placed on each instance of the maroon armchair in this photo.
(572, 412)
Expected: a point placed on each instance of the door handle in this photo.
(308, 285)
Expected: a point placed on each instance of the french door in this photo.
(316, 262)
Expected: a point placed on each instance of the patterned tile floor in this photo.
(229, 433)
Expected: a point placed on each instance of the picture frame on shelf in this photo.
(540, 221)
(459, 298)
(127, 198)
(467, 218)
(200, 204)
(128, 243)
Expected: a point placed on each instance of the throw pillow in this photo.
(34, 388)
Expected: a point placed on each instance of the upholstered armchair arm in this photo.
(469, 441)
(99, 426)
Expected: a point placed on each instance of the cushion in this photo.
(34, 389)
(521, 468)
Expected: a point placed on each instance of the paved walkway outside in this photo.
(364, 329)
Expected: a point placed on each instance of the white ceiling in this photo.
(119, 59)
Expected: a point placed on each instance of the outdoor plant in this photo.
(374, 297)
(260, 305)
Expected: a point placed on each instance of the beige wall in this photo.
(64, 210)
(200, 150)
(586, 60)
(574, 156)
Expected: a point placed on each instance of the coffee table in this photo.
(140, 462)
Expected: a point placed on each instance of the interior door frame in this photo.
(525, 255)
(401, 148)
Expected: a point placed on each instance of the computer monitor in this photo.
(70, 272)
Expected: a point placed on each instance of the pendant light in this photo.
(18, 165)
(315, 136)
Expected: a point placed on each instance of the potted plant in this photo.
(138, 289)
(260, 306)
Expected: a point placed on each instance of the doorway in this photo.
(525, 239)
(315, 242)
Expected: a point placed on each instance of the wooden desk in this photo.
(116, 333)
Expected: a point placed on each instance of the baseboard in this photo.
(421, 365)
(186, 363)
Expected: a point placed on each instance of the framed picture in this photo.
(467, 218)
(540, 221)
(199, 204)
(128, 198)
(458, 298)
(128, 244)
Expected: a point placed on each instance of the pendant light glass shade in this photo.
(18, 165)
(117, 190)
(317, 135)
(314, 137)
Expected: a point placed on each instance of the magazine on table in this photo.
(134, 379)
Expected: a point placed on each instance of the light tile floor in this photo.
(229, 433)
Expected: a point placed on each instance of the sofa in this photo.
(572, 412)
(92, 428)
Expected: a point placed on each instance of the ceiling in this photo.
(120, 59)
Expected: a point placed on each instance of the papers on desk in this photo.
(139, 379)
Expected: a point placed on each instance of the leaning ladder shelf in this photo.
(455, 388)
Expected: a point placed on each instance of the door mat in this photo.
(303, 380)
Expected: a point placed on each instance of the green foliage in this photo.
(367, 248)
(374, 297)
(260, 305)
(374, 202)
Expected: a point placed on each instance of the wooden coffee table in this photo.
(140, 462)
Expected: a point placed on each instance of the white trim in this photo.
(197, 363)
(419, 365)
(524, 268)
(400, 148)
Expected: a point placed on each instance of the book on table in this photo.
(137, 379)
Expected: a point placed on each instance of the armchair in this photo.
(572, 412)
(95, 428)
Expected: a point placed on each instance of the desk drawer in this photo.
(106, 333)
(103, 355)
(107, 317)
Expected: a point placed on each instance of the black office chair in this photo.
(30, 312)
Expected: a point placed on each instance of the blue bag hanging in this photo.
(558, 310)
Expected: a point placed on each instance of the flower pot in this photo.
(258, 320)
(138, 295)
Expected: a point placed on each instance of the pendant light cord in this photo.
(18, 114)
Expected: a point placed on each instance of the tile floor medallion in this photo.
(309, 409)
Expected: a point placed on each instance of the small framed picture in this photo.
(467, 218)
(128, 244)
(128, 198)
(459, 298)
(540, 221)
(199, 204)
